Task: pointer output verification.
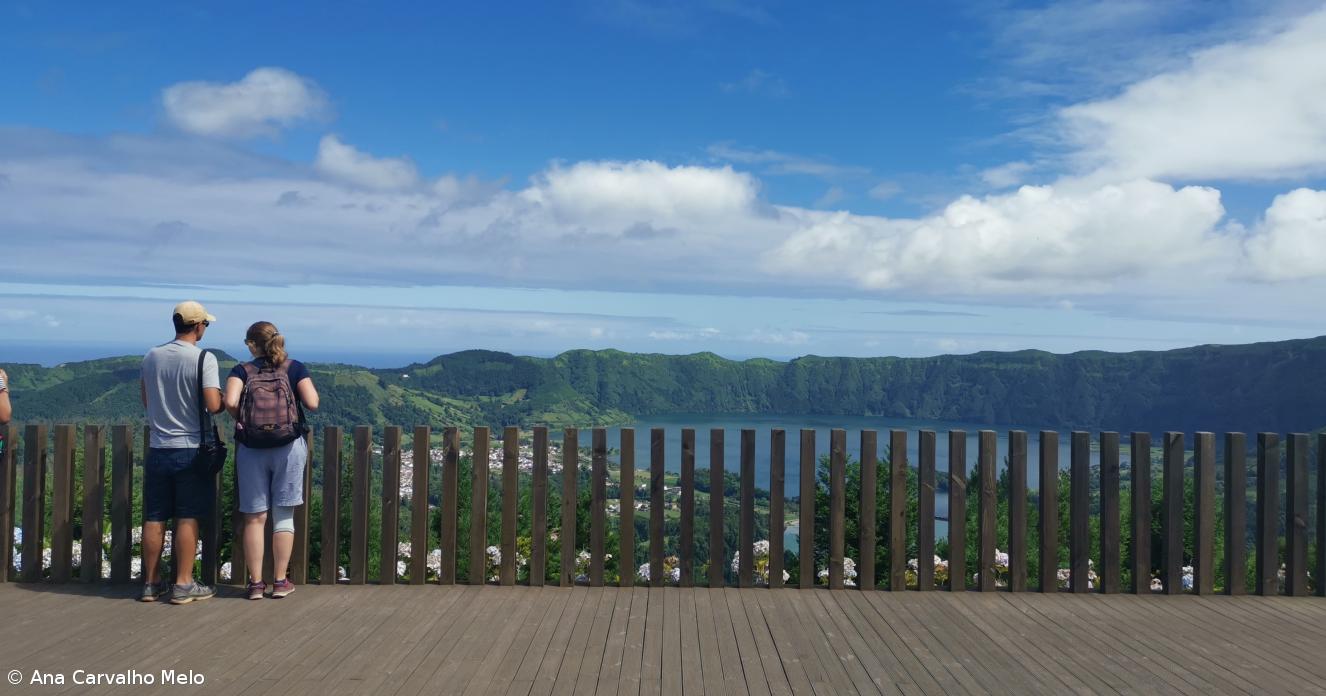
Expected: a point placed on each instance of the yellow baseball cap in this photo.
(191, 312)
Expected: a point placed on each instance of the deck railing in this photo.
(40, 466)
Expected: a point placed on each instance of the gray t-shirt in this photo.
(170, 374)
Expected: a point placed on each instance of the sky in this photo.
(756, 179)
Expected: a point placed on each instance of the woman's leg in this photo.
(254, 526)
(283, 539)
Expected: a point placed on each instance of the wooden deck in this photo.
(521, 640)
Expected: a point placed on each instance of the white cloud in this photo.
(336, 159)
(831, 197)
(759, 82)
(1252, 108)
(885, 190)
(782, 338)
(1035, 240)
(263, 102)
(617, 195)
(773, 162)
(1006, 175)
(1290, 241)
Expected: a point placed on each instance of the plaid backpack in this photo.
(269, 413)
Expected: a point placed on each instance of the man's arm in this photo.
(211, 385)
(212, 399)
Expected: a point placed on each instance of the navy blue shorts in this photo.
(172, 489)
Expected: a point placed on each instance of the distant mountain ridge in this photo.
(1275, 386)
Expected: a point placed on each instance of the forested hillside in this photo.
(1277, 386)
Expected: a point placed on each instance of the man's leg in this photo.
(184, 546)
(254, 526)
(154, 534)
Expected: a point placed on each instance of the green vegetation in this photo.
(1263, 386)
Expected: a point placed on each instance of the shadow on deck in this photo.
(521, 640)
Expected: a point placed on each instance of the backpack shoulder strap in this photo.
(204, 416)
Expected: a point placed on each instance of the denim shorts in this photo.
(172, 489)
(271, 476)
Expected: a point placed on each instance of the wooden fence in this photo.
(40, 467)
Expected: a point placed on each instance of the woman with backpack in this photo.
(267, 398)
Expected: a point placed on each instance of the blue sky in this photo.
(755, 179)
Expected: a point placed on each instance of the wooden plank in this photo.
(94, 496)
(359, 492)
(391, 504)
(988, 512)
(1017, 510)
(897, 510)
(626, 499)
(869, 521)
(62, 504)
(1109, 513)
(1296, 515)
(1321, 515)
(8, 479)
(957, 510)
(34, 501)
(1048, 482)
(479, 506)
(423, 463)
(717, 550)
(598, 481)
(122, 472)
(299, 556)
(670, 664)
(1236, 514)
(686, 545)
(777, 491)
(538, 557)
(570, 501)
(510, 501)
(925, 511)
(329, 563)
(1171, 514)
(806, 508)
(1139, 470)
(837, 505)
(1079, 510)
(656, 463)
(1204, 514)
(746, 520)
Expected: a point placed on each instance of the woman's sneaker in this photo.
(193, 592)
(282, 588)
(257, 589)
(151, 591)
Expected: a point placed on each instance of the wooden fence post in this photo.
(957, 510)
(329, 562)
(1048, 475)
(1268, 514)
(989, 508)
(746, 512)
(8, 479)
(806, 508)
(1017, 511)
(626, 499)
(686, 549)
(62, 504)
(1204, 513)
(717, 550)
(34, 501)
(897, 508)
(1079, 513)
(299, 557)
(865, 567)
(1236, 514)
(598, 481)
(479, 507)
(656, 469)
(538, 557)
(422, 459)
(391, 501)
(448, 535)
(363, 443)
(570, 501)
(94, 506)
(1139, 465)
(925, 511)
(510, 499)
(837, 474)
(1296, 515)
(1109, 513)
(777, 518)
(122, 472)
(1171, 515)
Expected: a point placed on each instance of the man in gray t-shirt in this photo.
(172, 489)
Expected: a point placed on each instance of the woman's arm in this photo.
(6, 409)
(234, 389)
(308, 394)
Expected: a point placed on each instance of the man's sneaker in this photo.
(282, 588)
(257, 589)
(196, 591)
(151, 591)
